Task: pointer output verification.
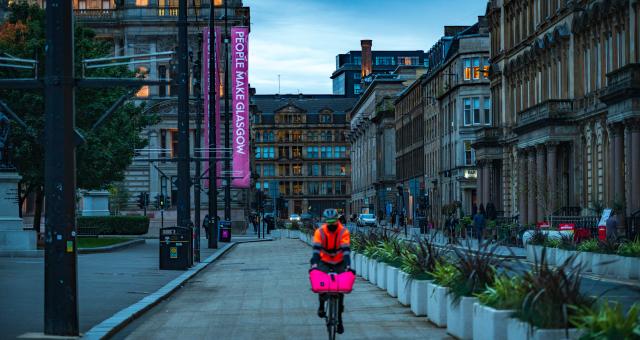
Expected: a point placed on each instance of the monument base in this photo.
(15, 242)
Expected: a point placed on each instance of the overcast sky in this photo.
(299, 39)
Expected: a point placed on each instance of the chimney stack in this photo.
(366, 57)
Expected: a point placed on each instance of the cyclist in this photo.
(331, 250)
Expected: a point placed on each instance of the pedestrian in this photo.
(205, 225)
(612, 226)
(479, 223)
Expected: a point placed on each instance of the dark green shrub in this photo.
(113, 225)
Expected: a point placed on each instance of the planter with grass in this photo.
(605, 264)
(534, 245)
(586, 249)
(419, 295)
(364, 267)
(552, 246)
(495, 306)
(472, 274)
(549, 305)
(354, 261)
(608, 321)
(419, 261)
(566, 249)
(437, 292)
(630, 254)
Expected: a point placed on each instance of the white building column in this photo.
(154, 175)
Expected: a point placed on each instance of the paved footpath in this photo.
(261, 291)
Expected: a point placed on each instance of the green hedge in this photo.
(113, 225)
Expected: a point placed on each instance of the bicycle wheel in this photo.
(332, 316)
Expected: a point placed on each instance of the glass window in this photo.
(467, 111)
(312, 151)
(296, 152)
(357, 60)
(270, 152)
(313, 188)
(142, 3)
(258, 152)
(476, 68)
(485, 68)
(269, 170)
(357, 88)
(325, 118)
(487, 110)
(469, 154)
(385, 61)
(312, 136)
(476, 111)
(467, 69)
(296, 169)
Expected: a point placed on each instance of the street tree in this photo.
(107, 151)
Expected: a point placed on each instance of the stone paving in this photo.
(261, 291)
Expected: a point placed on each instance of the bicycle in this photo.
(332, 306)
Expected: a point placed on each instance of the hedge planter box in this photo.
(364, 265)
(520, 330)
(489, 323)
(551, 256)
(605, 264)
(562, 255)
(631, 267)
(419, 290)
(392, 281)
(373, 266)
(531, 252)
(381, 275)
(404, 288)
(536, 254)
(460, 317)
(354, 262)
(437, 304)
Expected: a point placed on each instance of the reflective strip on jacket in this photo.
(332, 246)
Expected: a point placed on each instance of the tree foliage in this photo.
(108, 150)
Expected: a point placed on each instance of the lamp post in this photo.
(213, 168)
(258, 197)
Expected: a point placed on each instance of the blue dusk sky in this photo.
(299, 39)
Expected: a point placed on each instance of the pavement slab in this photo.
(261, 291)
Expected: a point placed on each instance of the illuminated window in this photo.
(217, 2)
(142, 3)
(485, 68)
(408, 60)
(143, 73)
(476, 68)
(467, 69)
(297, 169)
(82, 4)
(106, 4)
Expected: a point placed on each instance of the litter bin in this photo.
(225, 231)
(175, 252)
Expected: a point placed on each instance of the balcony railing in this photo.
(623, 83)
(550, 110)
(97, 14)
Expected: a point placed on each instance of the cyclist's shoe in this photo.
(321, 313)
(340, 329)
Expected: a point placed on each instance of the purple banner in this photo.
(206, 48)
(240, 95)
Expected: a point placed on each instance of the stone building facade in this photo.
(301, 151)
(455, 104)
(373, 143)
(564, 87)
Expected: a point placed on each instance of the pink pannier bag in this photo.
(322, 282)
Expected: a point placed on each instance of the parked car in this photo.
(367, 220)
(294, 218)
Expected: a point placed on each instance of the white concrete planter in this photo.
(584, 259)
(460, 317)
(518, 330)
(551, 256)
(531, 253)
(561, 256)
(437, 304)
(631, 267)
(293, 234)
(364, 265)
(419, 297)
(373, 266)
(489, 323)
(404, 288)
(604, 264)
(392, 281)
(381, 275)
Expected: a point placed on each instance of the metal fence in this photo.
(633, 226)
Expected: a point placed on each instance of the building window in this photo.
(269, 170)
(357, 76)
(312, 152)
(296, 169)
(326, 136)
(325, 118)
(269, 137)
(142, 3)
(143, 73)
(485, 68)
(325, 151)
(408, 61)
(296, 152)
(283, 170)
(469, 154)
(341, 188)
(467, 69)
(314, 169)
(284, 188)
(82, 4)
(267, 152)
(467, 112)
(487, 110)
(106, 4)
(385, 61)
(357, 88)
(312, 136)
(296, 136)
(283, 152)
(476, 111)
(357, 60)
(313, 188)
(476, 68)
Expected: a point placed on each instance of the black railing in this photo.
(633, 226)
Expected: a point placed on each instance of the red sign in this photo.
(602, 232)
(543, 225)
(567, 226)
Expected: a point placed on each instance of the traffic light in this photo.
(143, 200)
(160, 202)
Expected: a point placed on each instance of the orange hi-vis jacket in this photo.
(332, 247)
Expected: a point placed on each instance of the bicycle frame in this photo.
(332, 306)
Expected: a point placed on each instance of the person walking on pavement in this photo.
(612, 226)
(331, 249)
(205, 225)
(479, 222)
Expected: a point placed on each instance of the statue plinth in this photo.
(12, 236)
